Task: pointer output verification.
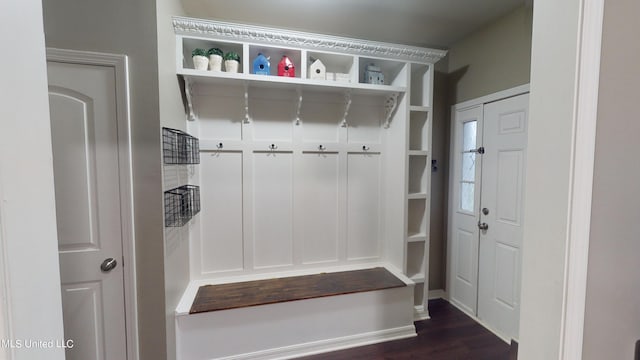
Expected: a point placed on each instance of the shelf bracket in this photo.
(389, 107)
(299, 106)
(246, 103)
(347, 100)
(188, 92)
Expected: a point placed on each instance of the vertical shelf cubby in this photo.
(417, 222)
(416, 261)
(419, 131)
(417, 176)
(335, 64)
(421, 85)
(275, 54)
(189, 44)
(392, 70)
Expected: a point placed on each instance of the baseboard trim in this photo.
(324, 346)
(437, 294)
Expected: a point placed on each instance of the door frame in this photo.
(121, 67)
(481, 101)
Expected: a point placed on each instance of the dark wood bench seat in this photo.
(262, 292)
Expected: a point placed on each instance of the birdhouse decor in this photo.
(261, 65)
(317, 71)
(373, 75)
(286, 67)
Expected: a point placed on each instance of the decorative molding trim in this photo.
(121, 67)
(224, 30)
(581, 186)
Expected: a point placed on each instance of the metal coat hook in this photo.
(272, 147)
(365, 148)
(321, 147)
(219, 145)
(347, 98)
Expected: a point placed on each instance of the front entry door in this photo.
(86, 173)
(502, 204)
(487, 185)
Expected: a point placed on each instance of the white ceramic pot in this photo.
(215, 62)
(231, 66)
(200, 62)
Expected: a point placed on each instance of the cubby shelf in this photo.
(418, 153)
(418, 278)
(416, 108)
(417, 237)
(417, 196)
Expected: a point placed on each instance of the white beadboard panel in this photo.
(272, 209)
(363, 206)
(221, 211)
(320, 121)
(317, 210)
(220, 117)
(365, 123)
(272, 118)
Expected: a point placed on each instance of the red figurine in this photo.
(286, 67)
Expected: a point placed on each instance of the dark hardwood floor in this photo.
(448, 335)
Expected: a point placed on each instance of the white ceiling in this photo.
(431, 23)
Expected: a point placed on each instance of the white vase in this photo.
(200, 62)
(215, 62)
(231, 66)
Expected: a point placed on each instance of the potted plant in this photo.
(200, 60)
(231, 61)
(215, 59)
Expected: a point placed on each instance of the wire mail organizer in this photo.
(179, 148)
(181, 204)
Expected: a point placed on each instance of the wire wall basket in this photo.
(178, 147)
(180, 205)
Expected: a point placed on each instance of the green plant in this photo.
(232, 56)
(215, 51)
(199, 52)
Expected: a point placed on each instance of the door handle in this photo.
(483, 226)
(108, 264)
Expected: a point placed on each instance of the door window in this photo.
(467, 181)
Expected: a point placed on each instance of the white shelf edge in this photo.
(204, 76)
(421, 195)
(418, 153)
(420, 108)
(418, 278)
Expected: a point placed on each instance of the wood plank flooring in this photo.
(448, 335)
(262, 292)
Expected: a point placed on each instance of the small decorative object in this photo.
(343, 77)
(215, 59)
(286, 67)
(317, 70)
(373, 75)
(200, 61)
(261, 65)
(231, 62)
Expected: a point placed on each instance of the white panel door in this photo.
(85, 160)
(503, 166)
(465, 190)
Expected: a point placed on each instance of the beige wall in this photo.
(612, 315)
(31, 305)
(129, 27)
(493, 59)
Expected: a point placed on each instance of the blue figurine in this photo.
(261, 65)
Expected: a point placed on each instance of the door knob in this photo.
(485, 211)
(108, 264)
(483, 226)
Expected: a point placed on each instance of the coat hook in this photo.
(273, 147)
(219, 146)
(321, 147)
(365, 148)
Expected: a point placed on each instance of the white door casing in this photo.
(91, 157)
(503, 176)
(465, 195)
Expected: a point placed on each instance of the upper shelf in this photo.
(252, 80)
